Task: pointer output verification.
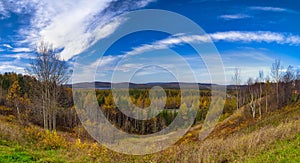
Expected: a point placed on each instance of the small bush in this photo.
(33, 134)
(51, 140)
(45, 139)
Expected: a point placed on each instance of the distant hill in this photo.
(107, 85)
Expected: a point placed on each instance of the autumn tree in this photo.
(14, 97)
(26, 105)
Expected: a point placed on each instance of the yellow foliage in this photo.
(189, 135)
(34, 133)
(51, 140)
(80, 145)
(45, 139)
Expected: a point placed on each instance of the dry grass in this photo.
(244, 139)
(10, 131)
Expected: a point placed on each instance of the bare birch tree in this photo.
(267, 90)
(276, 73)
(51, 72)
(237, 81)
(252, 95)
(260, 80)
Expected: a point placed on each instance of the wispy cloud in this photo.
(7, 46)
(103, 65)
(249, 59)
(257, 36)
(168, 42)
(12, 66)
(234, 16)
(229, 36)
(272, 9)
(252, 56)
(18, 50)
(72, 26)
(3, 12)
(18, 56)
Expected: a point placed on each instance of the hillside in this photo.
(273, 138)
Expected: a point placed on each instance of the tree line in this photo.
(269, 92)
(42, 98)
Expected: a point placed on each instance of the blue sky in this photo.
(247, 34)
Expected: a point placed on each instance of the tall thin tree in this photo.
(51, 72)
(267, 90)
(276, 73)
(236, 78)
(260, 80)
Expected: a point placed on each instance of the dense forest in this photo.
(20, 95)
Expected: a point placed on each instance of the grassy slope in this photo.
(281, 151)
(275, 138)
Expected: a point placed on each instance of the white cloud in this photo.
(68, 24)
(12, 66)
(166, 43)
(3, 12)
(257, 36)
(235, 16)
(293, 39)
(17, 50)
(19, 56)
(103, 65)
(7, 46)
(268, 8)
(72, 26)
(128, 67)
(1, 7)
(230, 36)
(144, 3)
(248, 57)
(17, 7)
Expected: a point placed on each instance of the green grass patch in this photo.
(16, 154)
(281, 151)
(49, 156)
